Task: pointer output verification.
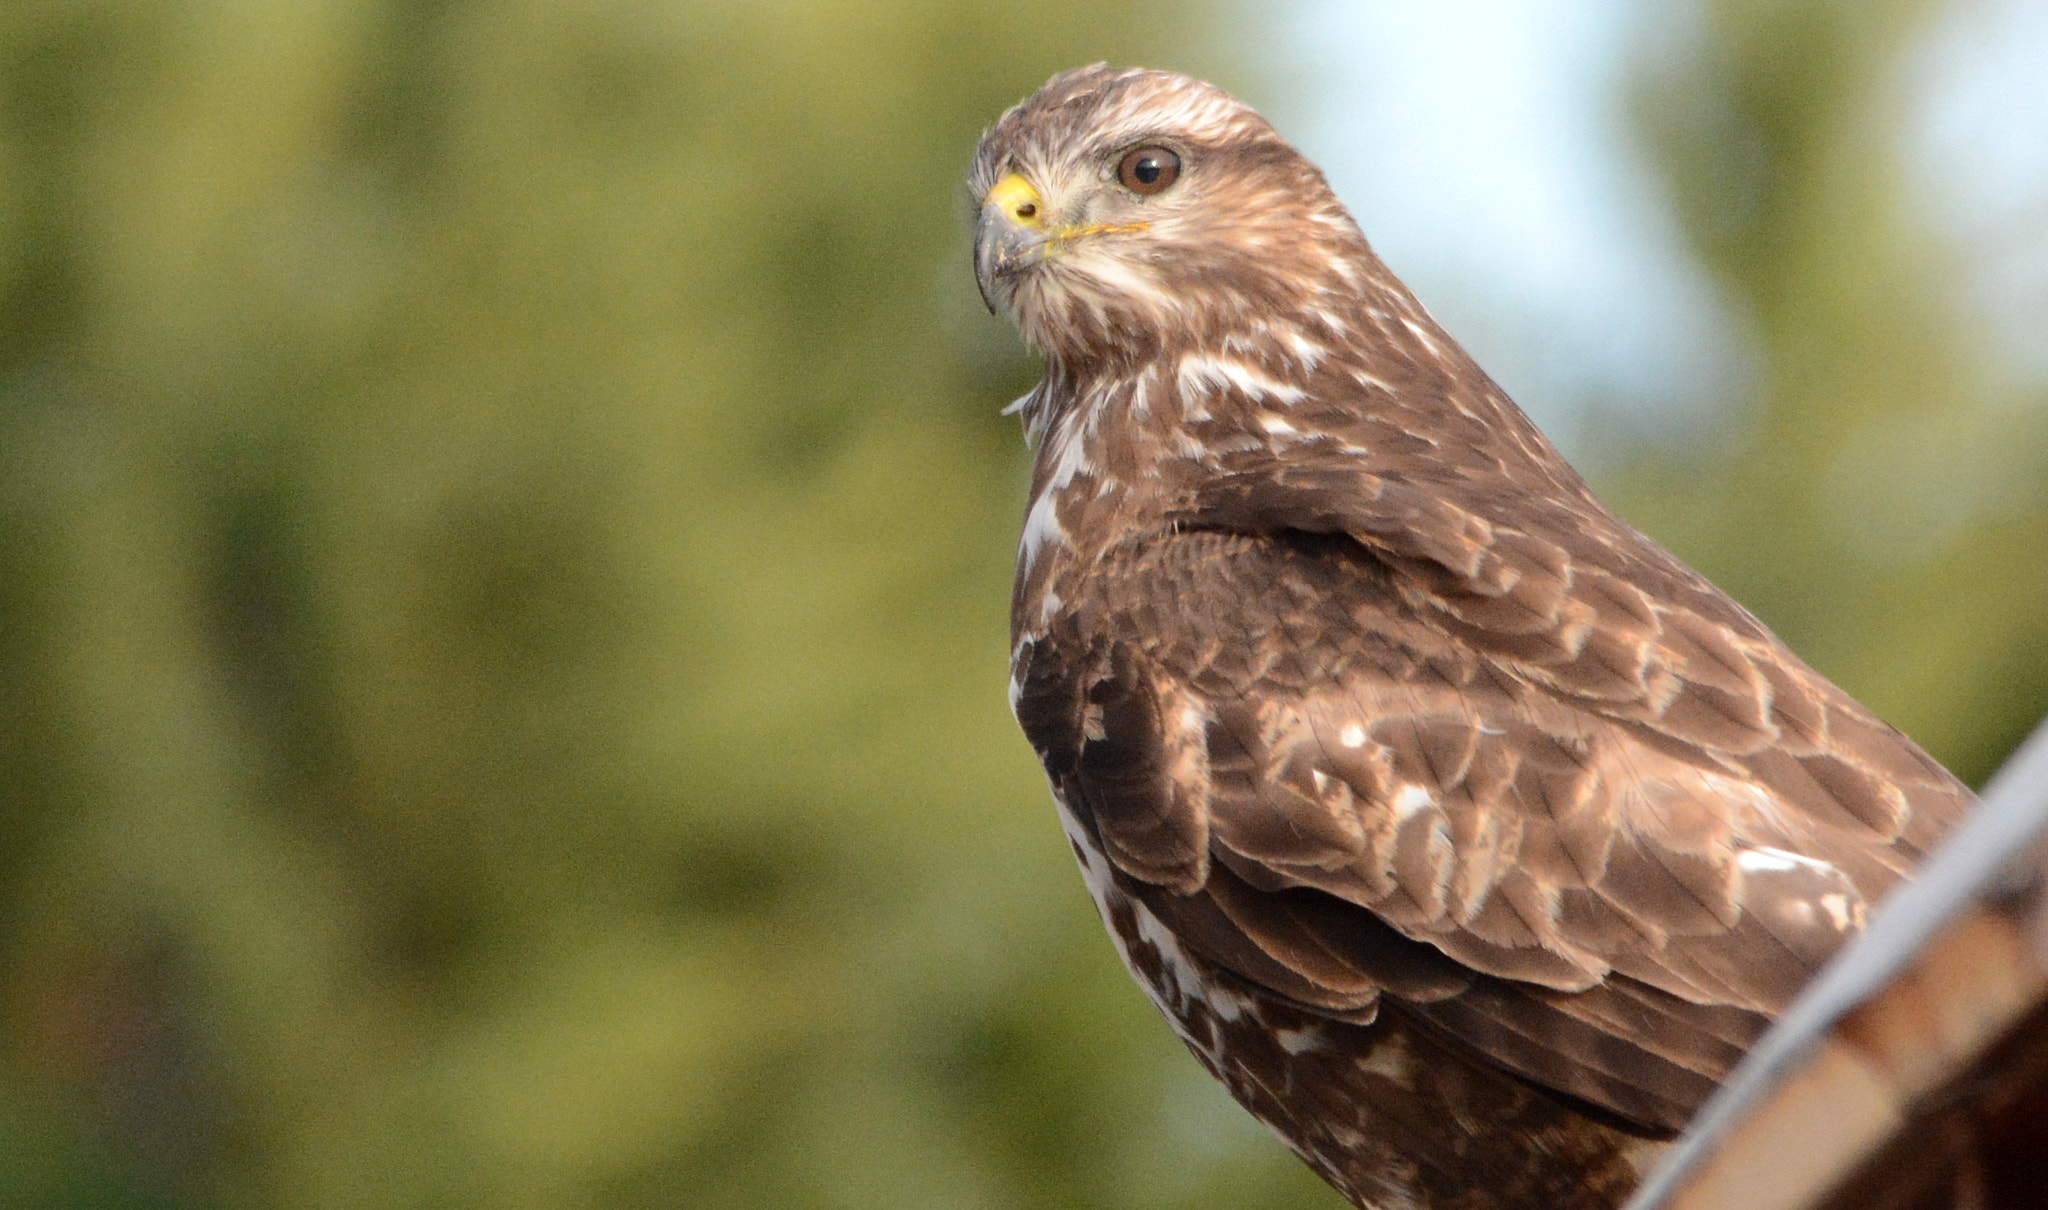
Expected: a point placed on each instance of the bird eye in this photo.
(1148, 170)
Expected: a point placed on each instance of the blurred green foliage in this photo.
(504, 553)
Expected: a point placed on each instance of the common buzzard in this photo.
(1464, 833)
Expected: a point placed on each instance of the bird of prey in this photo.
(1465, 834)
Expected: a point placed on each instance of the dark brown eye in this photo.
(1148, 170)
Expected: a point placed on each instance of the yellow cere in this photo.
(1017, 199)
(1021, 204)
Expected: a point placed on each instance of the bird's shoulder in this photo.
(1517, 563)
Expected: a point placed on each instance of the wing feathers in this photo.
(1579, 1057)
(1145, 780)
(1532, 775)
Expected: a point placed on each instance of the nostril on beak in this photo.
(1027, 210)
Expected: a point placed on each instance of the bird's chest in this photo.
(1069, 531)
(1098, 488)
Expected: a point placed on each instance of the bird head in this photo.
(1120, 211)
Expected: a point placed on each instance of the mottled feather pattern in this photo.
(1464, 833)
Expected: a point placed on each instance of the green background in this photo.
(505, 536)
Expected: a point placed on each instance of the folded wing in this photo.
(1595, 831)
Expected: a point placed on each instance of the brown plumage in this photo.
(1465, 834)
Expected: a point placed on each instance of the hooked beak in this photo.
(1009, 236)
